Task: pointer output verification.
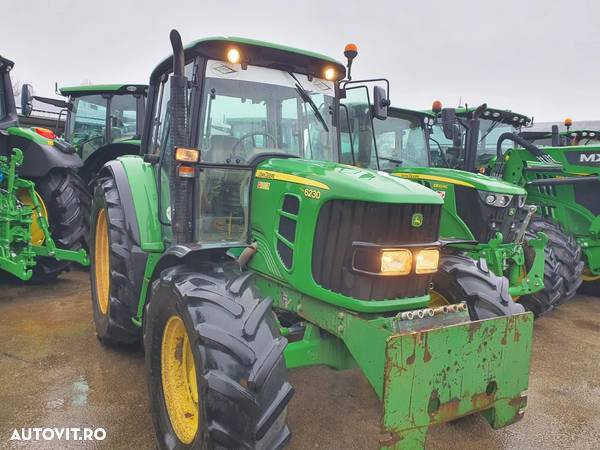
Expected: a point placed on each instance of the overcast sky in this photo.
(538, 57)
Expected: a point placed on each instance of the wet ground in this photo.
(53, 372)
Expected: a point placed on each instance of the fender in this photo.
(41, 156)
(104, 154)
(174, 255)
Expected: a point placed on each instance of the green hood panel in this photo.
(347, 182)
(459, 177)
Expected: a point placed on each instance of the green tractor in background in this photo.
(556, 138)
(235, 258)
(563, 182)
(103, 122)
(42, 223)
(483, 218)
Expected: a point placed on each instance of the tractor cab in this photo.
(483, 126)
(242, 107)
(401, 139)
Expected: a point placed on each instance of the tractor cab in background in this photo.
(103, 122)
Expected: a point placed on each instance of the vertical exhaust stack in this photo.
(473, 137)
(181, 188)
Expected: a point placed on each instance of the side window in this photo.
(87, 125)
(161, 140)
(357, 130)
(123, 111)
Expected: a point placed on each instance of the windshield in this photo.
(123, 110)
(87, 124)
(401, 141)
(257, 110)
(489, 133)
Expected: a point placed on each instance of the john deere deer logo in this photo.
(417, 220)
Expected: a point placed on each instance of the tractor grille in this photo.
(342, 222)
(484, 220)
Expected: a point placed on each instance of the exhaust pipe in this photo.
(181, 188)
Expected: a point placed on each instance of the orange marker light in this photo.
(568, 122)
(45, 132)
(436, 106)
(186, 171)
(350, 51)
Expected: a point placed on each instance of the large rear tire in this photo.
(66, 219)
(460, 278)
(567, 252)
(114, 297)
(541, 302)
(214, 359)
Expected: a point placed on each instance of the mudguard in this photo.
(105, 154)
(41, 156)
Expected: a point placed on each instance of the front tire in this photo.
(114, 297)
(568, 255)
(235, 392)
(460, 278)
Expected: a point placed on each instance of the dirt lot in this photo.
(53, 372)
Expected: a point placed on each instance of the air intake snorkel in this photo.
(181, 188)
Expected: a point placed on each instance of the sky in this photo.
(537, 57)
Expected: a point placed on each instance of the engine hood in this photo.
(459, 177)
(347, 182)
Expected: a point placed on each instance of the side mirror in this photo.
(380, 103)
(26, 100)
(450, 127)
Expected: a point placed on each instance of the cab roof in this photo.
(392, 111)
(255, 52)
(498, 115)
(78, 91)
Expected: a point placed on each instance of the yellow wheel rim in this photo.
(36, 231)
(587, 275)
(437, 299)
(102, 261)
(178, 374)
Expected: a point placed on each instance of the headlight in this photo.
(427, 260)
(396, 262)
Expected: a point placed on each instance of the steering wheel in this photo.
(251, 134)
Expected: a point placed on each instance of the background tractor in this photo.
(42, 220)
(236, 257)
(483, 218)
(562, 181)
(103, 122)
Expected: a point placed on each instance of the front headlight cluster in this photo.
(401, 261)
(495, 199)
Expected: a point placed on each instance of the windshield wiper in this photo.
(397, 161)
(305, 96)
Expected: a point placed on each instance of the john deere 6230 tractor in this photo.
(41, 219)
(217, 250)
(482, 218)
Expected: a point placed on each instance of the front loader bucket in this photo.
(438, 375)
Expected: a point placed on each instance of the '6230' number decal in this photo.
(312, 193)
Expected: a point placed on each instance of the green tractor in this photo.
(562, 181)
(103, 122)
(42, 223)
(556, 138)
(236, 257)
(483, 218)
